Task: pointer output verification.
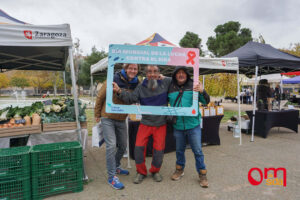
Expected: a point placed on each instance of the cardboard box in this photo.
(206, 112)
(135, 117)
(201, 109)
(219, 110)
(212, 111)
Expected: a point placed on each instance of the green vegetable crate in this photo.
(55, 156)
(56, 168)
(15, 173)
(14, 162)
(15, 188)
(45, 184)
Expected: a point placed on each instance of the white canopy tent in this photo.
(37, 47)
(214, 64)
(272, 79)
(30, 47)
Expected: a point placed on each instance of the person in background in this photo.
(248, 96)
(180, 94)
(114, 125)
(264, 95)
(277, 93)
(151, 92)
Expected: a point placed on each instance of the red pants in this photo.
(159, 137)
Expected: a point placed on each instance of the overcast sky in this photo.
(103, 22)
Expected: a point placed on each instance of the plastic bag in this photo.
(97, 135)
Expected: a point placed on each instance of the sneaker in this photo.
(203, 179)
(178, 173)
(122, 171)
(115, 183)
(157, 177)
(138, 178)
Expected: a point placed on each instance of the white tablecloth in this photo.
(49, 137)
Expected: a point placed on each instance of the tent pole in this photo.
(65, 87)
(92, 93)
(239, 101)
(76, 102)
(127, 149)
(74, 90)
(254, 104)
(281, 92)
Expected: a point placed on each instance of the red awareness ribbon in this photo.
(191, 55)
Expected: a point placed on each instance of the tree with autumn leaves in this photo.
(294, 49)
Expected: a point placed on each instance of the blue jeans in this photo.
(194, 137)
(115, 137)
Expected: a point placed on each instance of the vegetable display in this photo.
(50, 111)
(62, 110)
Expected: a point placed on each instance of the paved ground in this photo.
(227, 164)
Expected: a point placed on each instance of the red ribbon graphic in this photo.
(223, 63)
(191, 55)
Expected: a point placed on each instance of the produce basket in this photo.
(32, 129)
(60, 126)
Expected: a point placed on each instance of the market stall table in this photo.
(265, 120)
(210, 134)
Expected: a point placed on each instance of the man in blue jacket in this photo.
(180, 94)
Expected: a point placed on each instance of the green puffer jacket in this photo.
(185, 122)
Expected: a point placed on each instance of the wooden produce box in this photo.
(61, 126)
(24, 130)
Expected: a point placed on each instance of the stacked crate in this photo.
(56, 168)
(15, 173)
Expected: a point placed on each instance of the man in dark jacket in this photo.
(151, 92)
(181, 95)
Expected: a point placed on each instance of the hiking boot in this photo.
(139, 178)
(178, 173)
(121, 171)
(203, 179)
(115, 183)
(157, 177)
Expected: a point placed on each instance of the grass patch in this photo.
(228, 114)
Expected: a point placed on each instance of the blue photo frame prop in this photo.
(152, 55)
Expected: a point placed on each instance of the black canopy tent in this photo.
(257, 58)
(268, 59)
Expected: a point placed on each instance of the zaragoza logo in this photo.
(28, 34)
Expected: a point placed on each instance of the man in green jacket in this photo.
(180, 94)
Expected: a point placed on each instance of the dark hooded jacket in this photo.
(121, 79)
(185, 122)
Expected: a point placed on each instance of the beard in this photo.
(152, 84)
